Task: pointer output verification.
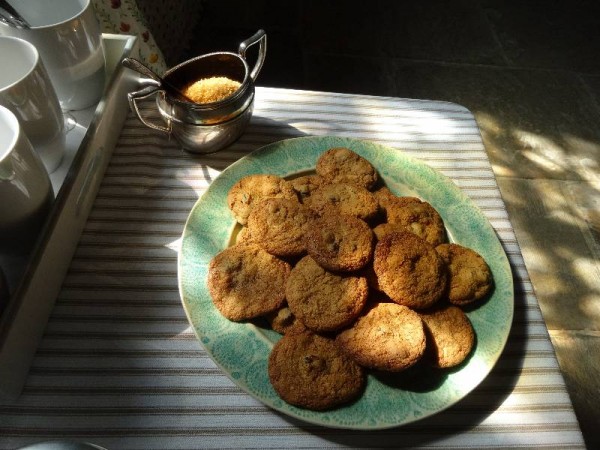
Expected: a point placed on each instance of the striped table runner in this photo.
(119, 364)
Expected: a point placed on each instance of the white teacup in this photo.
(68, 37)
(26, 90)
(25, 190)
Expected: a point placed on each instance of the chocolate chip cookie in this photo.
(470, 278)
(450, 336)
(247, 191)
(409, 270)
(418, 217)
(324, 301)
(309, 371)
(306, 185)
(340, 243)
(245, 282)
(347, 199)
(283, 321)
(279, 225)
(342, 165)
(386, 337)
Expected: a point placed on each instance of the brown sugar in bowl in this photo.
(212, 89)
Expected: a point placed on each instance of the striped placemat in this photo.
(120, 366)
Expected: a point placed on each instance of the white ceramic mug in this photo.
(26, 90)
(68, 37)
(26, 194)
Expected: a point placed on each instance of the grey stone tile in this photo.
(557, 35)
(585, 199)
(559, 247)
(535, 123)
(592, 83)
(432, 30)
(578, 354)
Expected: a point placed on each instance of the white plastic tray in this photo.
(36, 281)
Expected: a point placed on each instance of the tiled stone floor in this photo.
(530, 73)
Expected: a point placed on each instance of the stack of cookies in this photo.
(356, 279)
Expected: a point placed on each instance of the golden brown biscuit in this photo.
(470, 278)
(418, 217)
(283, 321)
(450, 336)
(279, 225)
(243, 236)
(385, 197)
(324, 301)
(409, 270)
(383, 229)
(383, 193)
(340, 243)
(344, 199)
(386, 337)
(245, 281)
(247, 191)
(309, 371)
(342, 165)
(306, 185)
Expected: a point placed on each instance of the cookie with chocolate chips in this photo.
(309, 371)
(244, 282)
(387, 337)
(324, 301)
(342, 165)
(247, 192)
(409, 270)
(340, 243)
(470, 278)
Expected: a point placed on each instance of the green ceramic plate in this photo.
(241, 350)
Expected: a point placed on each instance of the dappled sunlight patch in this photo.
(517, 152)
(542, 161)
(174, 245)
(588, 271)
(197, 177)
(489, 123)
(567, 153)
(539, 260)
(495, 134)
(541, 150)
(590, 305)
(585, 158)
(589, 169)
(503, 171)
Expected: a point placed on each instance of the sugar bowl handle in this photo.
(142, 94)
(259, 36)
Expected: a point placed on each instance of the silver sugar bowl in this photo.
(204, 127)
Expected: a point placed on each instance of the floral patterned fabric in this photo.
(174, 25)
(124, 17)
